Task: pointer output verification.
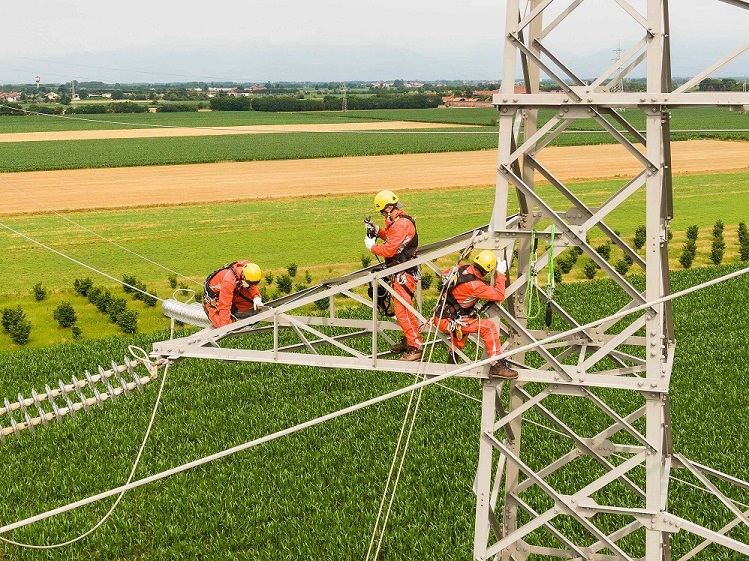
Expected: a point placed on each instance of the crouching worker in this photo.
(455, 315)
(231, 292)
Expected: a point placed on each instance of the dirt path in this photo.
(217, 131)
(198, 183)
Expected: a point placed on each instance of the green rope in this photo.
(532, 305)
(550, 282)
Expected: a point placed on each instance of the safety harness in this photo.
(448, 306)
(210, 296)
(385, 302)
(409, 251)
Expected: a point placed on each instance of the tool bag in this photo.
(385, 303)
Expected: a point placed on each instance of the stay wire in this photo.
(121, 494)
(89, 267)
(90, 231)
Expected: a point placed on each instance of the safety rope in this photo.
(411, 413)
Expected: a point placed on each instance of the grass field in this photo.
(314, 495)
(33, 156)
(689, 118)
(195, 240)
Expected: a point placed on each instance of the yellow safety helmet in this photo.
(251, 272)
(486, 260)
(383, 199)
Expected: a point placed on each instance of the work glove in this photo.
(257, 302)
(501, 266)
(369, 242)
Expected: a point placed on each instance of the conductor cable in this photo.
(90, 231)
(89, 267)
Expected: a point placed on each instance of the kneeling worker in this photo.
(231, 291)
(455, 313)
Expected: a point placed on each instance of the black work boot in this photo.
(399, 348)
(500, 369)
(452, 358)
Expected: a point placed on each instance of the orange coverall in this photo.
(232, 296)
(397, 233)
(467, 294)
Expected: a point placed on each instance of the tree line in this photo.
(278, 103)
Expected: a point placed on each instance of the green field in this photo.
(314, 495)
(75, 154)
(689, 118)
(194, 240)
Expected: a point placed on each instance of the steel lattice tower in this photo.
(633, 452)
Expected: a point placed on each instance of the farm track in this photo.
(224, 182)
(170, 131)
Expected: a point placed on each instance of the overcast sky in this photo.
(330, 40)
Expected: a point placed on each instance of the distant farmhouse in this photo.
(10, 96)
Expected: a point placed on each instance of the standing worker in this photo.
(401, 243)
(231, 291)
(455, 313)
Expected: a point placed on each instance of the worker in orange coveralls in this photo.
(230, 292)
(455, 315)
(401, 243)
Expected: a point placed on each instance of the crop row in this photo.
(681, 118)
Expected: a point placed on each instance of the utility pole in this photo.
(344, 105)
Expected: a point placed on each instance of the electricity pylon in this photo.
(598, 487)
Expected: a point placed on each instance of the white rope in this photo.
(122, 494)
(97, 271)
(82, 227)
(390, 472)
(431, 338)
(285, 432)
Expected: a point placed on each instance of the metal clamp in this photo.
(92, 385)
(131, 371)
(120, 379)
(42, 413)
(80, 394)
(13, 424)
